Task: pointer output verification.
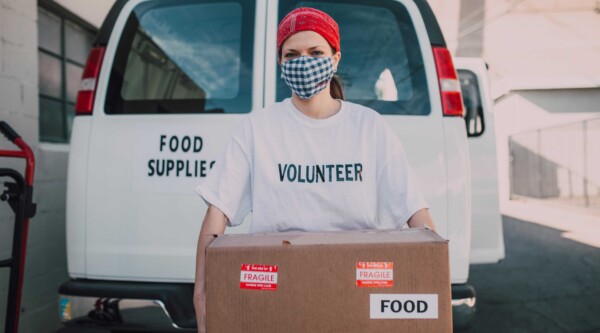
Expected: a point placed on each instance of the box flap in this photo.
(412, 235)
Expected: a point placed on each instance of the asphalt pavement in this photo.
(546, 283)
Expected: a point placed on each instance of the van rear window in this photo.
(184, 57)
(382, 65)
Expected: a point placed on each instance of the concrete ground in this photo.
(550, 279)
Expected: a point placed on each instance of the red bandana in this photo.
(304, 18)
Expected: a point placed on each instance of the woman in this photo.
(313, 162)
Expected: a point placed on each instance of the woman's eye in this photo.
(317, 53)
(289, 55)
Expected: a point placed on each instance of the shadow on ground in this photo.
(546, 283)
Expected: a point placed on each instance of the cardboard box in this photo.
(361, 281)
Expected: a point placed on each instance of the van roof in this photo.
(433, 29)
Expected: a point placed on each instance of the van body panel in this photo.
(421, 138)
(459, 198)
(271, 58)
(144, 232)
(450, 204)
(258, 97)
(77, 189)
(432, 173)
(487, 242)
(148, 230)
(123, 225)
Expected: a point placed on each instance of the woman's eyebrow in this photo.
(310, 48)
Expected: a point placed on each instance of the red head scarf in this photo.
(304, 18)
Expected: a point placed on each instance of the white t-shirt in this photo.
(296, 173)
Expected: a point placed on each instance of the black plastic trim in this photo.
(109, 23)
(480, 113)
(431, 24)
(67, 14)
(462, 291)
(177, 297)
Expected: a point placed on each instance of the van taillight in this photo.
(452, 104)
(87, 89)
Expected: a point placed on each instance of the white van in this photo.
(487, 241)
(164, 87)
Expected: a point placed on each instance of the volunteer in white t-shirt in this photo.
(313, 162)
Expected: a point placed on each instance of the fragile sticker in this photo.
(374, 274)
(404, 306)
(258, 277)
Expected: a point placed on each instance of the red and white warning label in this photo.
(374, 274)
(258, 277)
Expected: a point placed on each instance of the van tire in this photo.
(464, 307)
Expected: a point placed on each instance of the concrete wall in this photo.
(46, 265)
(470, 33)
(523, 111)
(524, 38)
(542, 38)
(92, 11)
(19, 107)
(549, 46)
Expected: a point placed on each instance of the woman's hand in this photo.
(200, 305)
(214, 224)
(421, 219)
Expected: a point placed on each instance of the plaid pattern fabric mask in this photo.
(307, 76)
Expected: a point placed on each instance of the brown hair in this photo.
(336, 87)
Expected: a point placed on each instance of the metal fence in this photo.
(558, 164)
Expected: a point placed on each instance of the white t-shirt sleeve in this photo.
(228, 185)
(398, 193)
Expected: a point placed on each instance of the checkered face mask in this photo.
(307, 76)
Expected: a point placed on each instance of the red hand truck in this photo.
(18, 194)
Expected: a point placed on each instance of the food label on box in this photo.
(258, 277)
(374, 274)
(404, 306)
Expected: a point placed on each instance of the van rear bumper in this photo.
(463, 306)
(148, 306)
(135, 306)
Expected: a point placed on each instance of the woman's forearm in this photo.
(421, 219)
(214, 224)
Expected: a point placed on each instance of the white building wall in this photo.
(542, 54)
(92, 11)
(526, 38)
(19, 106)
(542, 38)
(523, 111)
(551, 46)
